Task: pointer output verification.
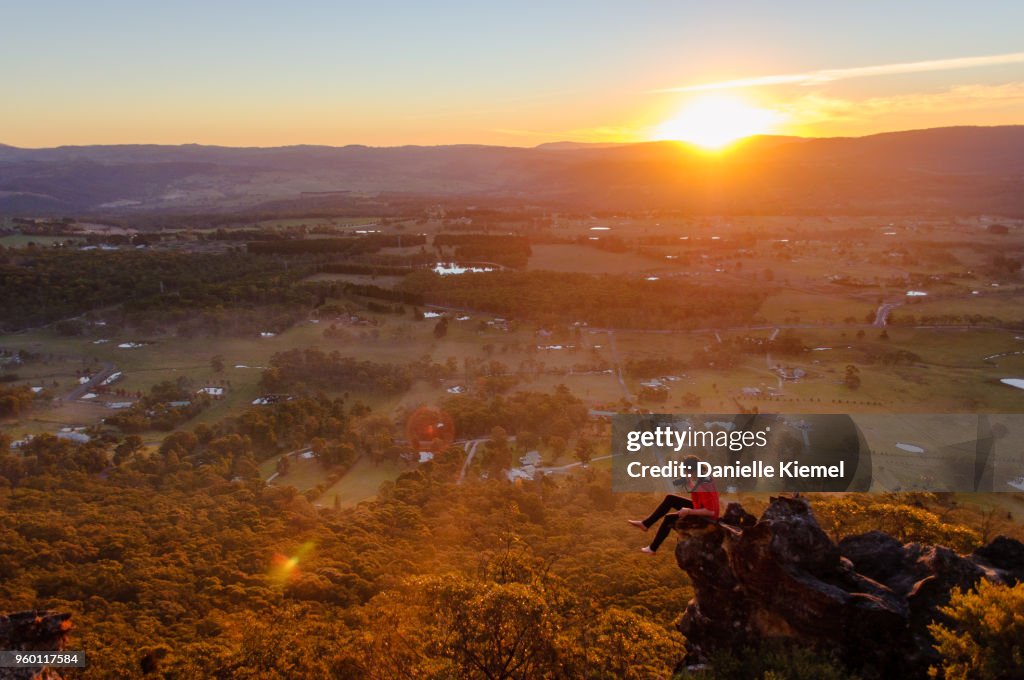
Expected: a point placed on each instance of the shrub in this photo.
(985, 635)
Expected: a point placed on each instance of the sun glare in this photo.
(715, 121)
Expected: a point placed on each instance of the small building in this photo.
(532, 458)
(215, 392)
(76, 437)
(790, 373)
(518, 474)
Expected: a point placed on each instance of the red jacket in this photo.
(705, 495)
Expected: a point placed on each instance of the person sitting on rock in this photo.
(703, 502)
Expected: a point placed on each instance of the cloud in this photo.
(830, 75)
(815, 109)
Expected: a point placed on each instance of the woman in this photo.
(703, 502)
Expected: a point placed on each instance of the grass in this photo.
(588, 260)
(1003, 305)
(361, 483)
(358, 279)
(292, 222)
(1012, 503)
(400, 340)
(22, 240)
(951, 376)
(814, 307)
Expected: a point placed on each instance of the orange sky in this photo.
(392, 73)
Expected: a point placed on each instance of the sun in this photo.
(716, 121)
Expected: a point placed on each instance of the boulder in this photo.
(867, 600)
(44, 631)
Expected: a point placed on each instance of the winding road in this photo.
(471, 447)
(882, 314)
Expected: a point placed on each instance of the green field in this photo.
(586, 259)
(807, 307)
(950, 374)
(360, 483)
(359, 279)
(1006, 305)
(292, 222)
(21, 240)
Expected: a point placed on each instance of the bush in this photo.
(773, 662)
(985, 635)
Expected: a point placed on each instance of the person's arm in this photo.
(700, 510)
(697, 512)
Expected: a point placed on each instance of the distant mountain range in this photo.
(960, 170)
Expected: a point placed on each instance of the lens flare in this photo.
(427, 425)
(284, 568)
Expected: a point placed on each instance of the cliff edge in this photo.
(868, 599)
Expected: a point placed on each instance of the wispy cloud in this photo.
(830, 75)
(812, 111)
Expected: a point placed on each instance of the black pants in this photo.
(671, 502)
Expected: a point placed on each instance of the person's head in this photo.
(690, 465)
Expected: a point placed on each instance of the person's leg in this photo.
(663, 531)
(671, 502)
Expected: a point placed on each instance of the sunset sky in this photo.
(515, 73)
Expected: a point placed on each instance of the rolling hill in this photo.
(943, 170)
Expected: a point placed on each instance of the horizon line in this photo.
(456, 144)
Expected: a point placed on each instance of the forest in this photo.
(605, 301)
(163, 533)
(42, 286)
(508, 250)
(314, 369)
(210, 575)
(350, 245)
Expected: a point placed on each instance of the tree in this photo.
(511, 619)
(217, 363)
(441, 327)
(557, 445)
(584, 450)
(852, 377)
(527, 440)
(499, 436)
(627, 645)
(12, 468)
(124, 451)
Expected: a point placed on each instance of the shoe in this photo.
(638, 524)
(647, 550)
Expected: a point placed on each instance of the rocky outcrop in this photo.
(868, 599)
(45, 631)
